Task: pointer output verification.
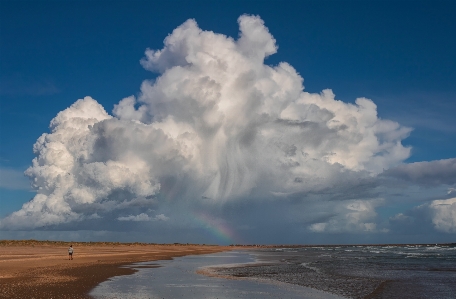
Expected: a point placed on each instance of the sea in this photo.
(318, 272)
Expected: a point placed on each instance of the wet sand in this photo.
(41, 269)
(181, 278)
(359, 272)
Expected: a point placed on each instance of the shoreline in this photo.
(289, 270)
(182, 279)
(410, 271)
(41, 269)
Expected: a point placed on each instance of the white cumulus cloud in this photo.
(217, 125)
(350, 216)
(143, 217)
(444, 214)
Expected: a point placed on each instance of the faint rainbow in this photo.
(220, 230)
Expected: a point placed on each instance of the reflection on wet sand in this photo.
(179, 279)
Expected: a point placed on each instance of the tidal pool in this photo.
(177, 278)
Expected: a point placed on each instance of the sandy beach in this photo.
(41, 269)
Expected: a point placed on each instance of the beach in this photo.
(41, 269)
(32, 269)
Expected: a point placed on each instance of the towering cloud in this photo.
(217, 126)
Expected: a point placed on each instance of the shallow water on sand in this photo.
(178, 279)
(360, 272)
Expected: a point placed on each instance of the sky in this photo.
(228, 122)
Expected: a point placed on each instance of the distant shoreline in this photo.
(96, 243)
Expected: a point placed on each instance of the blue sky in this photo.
(399, 54)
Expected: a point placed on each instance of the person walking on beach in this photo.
(70, 252)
